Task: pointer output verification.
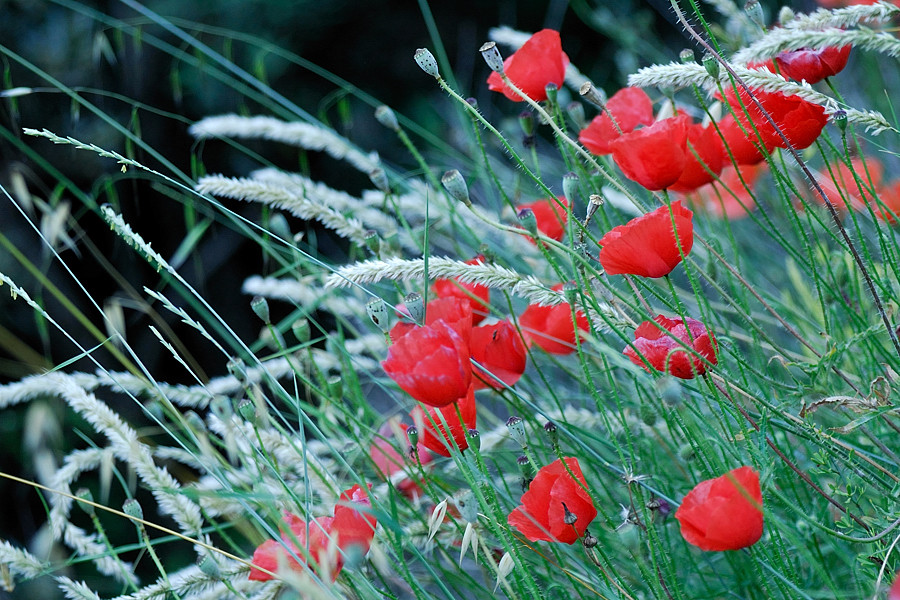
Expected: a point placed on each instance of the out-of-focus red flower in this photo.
(538, 62)
(801, 121)
(630, 107)
(351, 526)
(812, 65)
(653, 156)
(478, 296)
(888, 203)
(553, 493)
(551, 217)
(388, 460)
(500, 350)
(551, 327)
(743, 144)
(724, 513)
(704, 158)
(894, 592)
(647, 245)
(841, 187)
(730, 197)
(662, 344)
(437, 440)
(431, 363)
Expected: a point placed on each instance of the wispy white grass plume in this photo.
(304, 135)
(252, 190)
(76, 590)
(192, 583)
(20, 562)
(778, 40)
(308, 293)
(846, 16)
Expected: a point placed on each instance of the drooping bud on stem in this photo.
(378, 311)
(386, 116)
(209, 567)
(570, 186)
(425, 60)
(491, 55)
(456, 186)
(416, 307)
(260, 307)
(85, 494)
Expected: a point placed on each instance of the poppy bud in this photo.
(552, 433)
(426, 62)
(686, 56)
(570, 185)
(456, 186)
(648, 415)
(527, 471)
(839, 118)
(133, 509)
(237, 369)
(575, 111)
(373, 242)
(552, 91)
(386, 116)
(208, 567)
(412, 434)
(85, 494)
(491, 55)
(687, 453)
(516, 428)
(528, 221)
(378, 311)
(474, 438)
(526, 122)
(379, 178)
(261, 307)
(754, 10)
(301, 330)
(711, 65)
(589, 541)
(247, 410)
(416, 307)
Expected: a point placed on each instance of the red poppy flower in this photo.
(551, 327)
(743, 144)
(663, 346)
(704, 158)
(801, 121)
(553, 493)
(629, 107)
(351, 525)
(437, 440)
(389, 461)
(647, 245)
(431, 363)
(894, 592)
(538, 62)
(653, 156)
(724, 513)
(551, 217)
(500, 350)
(812, 66)
(889, 203)
(478, 296)
(732, 196)
(453, 310)
(841, 187)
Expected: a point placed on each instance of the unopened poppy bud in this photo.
(474, 438)
(373, 242)
(301, 330)
(467, 504)
(570, 517)
(378, 311)
(552, 433)
(526, 122)
(528, 221)
(456, 186)
(386, 116)
(687, 453)
(247, 410)
(133, 509)
(527, 471)
(379, 178)
(592, 95)
(711, 65)
(491, 55)
(570, 186)
(648, 415)
(260, 306)
(785, 15)
(416, 307)
(570, 291)
(754, 10)
(85, 494)
(552, 91)
(575, 111)
(412, 434)
(686, 56)
(425, 60)
(209, 567)
(589, 541)
(237, 368)
(335, 387)
(516, 427)
(839, 118)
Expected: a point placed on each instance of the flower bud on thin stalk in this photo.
(301, 330)
(456, 186)
(426, 61)
(527, 470)
(552, 93)
(711, 65)
(686, 56)
(576, 114)
(415, 306)
(386, 116)
(379, 178)
(373, 242)
(528, 221)
(260, 307)
(378, 311)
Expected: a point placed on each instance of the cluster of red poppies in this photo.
(859, 184)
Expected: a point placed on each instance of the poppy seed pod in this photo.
(425, 59)
(456, 186)
(491, 55)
